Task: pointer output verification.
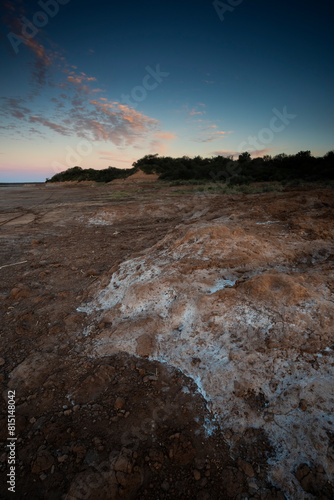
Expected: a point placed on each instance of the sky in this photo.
(100, 83)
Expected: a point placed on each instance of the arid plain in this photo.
(168, 342)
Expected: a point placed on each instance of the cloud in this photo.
(13, 17)
(160, 141)
(53, 126)
(193, 112)
(78, 79)
(167, 136)
(42, 62)
(254, 154)
(225, 152)
(14, 107)
(209, 135)
(260, 152)
(110, 156)
(75, 107)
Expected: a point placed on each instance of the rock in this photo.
(20, 292)
(123, 464)
(303, 404)
(246, 467)
(119, 403)
(92, 272)
(43, 461)
(62, 459)
(312, 481)
(252, 486)
(197, 475)
(165, 485)
(94, 384)
(79, 450)
(2, 361)
(150, 378)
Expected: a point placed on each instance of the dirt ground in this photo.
(166, 344)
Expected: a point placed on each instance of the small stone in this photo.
(150, 378)
(62, 459)
(246, 467)
(303, 404)
(43, 477)
(67, 412)
(32, 420)
(43, 461)
(165, 485)
(2, 361)
(119, 403)
(197, 475)
(92, 272)
(76, 408)
(252, 486)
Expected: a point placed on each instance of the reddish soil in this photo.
(96, 423)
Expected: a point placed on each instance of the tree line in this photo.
(244, 170)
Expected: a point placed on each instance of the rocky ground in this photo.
(164, 343)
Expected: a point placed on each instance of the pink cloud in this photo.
(167, 136)
(212, 136)
(254, 154)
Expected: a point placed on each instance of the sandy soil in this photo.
(167, 344)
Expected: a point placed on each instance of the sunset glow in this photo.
(104, 84)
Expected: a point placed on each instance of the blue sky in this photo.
(100, 84)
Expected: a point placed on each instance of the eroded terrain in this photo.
(165, 343)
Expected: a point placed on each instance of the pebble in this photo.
(246, 467)
(62, 459)
(165, 485)
(197, 475)
(150, 378)
(303, 404)
(119, 403)
(2, 361)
